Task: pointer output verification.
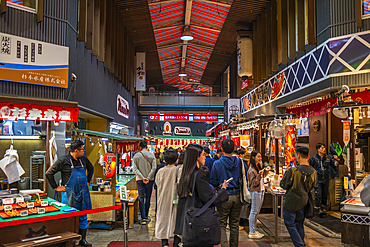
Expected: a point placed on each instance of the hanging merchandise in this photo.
(245, 141)
(10, 165)
(290, 145)
(109, 165)
(53, 150)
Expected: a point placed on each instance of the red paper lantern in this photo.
(109, 165)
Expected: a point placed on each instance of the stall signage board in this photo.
(123, 107)
(194, 117)
(245, 140)
(146, 126)
(167, 129)
(30, 205)
(40, 210)
(24, 213)
(346, 132)
(38, 112)
(8, 207)
(123, 193)
(127, 147)
(44, 203)
(19, 199)
(32, 61)
(109, 165)
(182, 131)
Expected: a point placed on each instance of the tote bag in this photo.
(201, 226)
(245, 196)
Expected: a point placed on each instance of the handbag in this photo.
(201, 226)
(175, 194)
(245, 196)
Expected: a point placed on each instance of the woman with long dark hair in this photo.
(256, 173)
(194, 158)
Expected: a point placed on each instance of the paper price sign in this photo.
(7, 207)
(19, 199)
(24, 213)
(8, 201)
(44, 203)
(30, 205)
(40, 210)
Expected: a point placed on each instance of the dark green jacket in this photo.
(298, 182)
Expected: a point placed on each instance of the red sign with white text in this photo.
(127, 147)
(196, 117)
(38, 112)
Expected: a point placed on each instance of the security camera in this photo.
(73, 77)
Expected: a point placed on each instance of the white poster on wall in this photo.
(140, 71)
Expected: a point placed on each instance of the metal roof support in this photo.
(189, 4)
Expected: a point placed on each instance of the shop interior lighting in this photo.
(368, 112)
(319, 98)
(360, 113)
(350, 114)
(91, 142)
(104, 139)
(15, 120)
(186, 35)
(25, 121)
(21, 137)
(56, 123)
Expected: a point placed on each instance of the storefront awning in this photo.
(183, 137)
(118, 137)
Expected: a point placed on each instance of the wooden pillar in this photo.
(90, 25)
(352, 151)
(103, 21)
(40, 10)
(96, 34)
(3, 7)
(263, 45)
(82, 21)
(273, 44)
(282, 31)
(254, 45)
(311, 22)
(268, 40)
(108, 41)
(291, 29)
(358, 13)
(47, 154)
(259, 49)
(301, 44)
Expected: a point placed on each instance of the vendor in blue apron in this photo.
(74, 187)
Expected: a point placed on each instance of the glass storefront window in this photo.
(20, 127)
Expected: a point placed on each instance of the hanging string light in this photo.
(350, 114)
(360, 113)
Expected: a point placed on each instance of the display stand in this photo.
(125, 222)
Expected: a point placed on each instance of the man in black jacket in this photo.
(73, 168)
(298, 182)
(321, 163)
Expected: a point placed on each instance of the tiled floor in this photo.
(102, 238)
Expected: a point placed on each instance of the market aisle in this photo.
(145, 233)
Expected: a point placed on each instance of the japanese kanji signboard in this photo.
(32, 61)
(185, 117)
(109, 165)
(140, 71)
(127, 147)
(38, 112)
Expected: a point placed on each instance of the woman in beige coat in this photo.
(166, 207)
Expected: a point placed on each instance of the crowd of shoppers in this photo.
(191, 177)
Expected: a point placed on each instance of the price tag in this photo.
(19, 199)
(8, 207)
(44, 203)
(8, 201)
(30, 205)
(40, 210)
(24, 213)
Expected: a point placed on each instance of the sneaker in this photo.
(148, 219)
(255, 235)
(143, 222)
(322, 214)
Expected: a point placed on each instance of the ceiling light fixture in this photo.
(182, 72)
(186, 35)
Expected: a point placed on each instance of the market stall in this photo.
(110, 155)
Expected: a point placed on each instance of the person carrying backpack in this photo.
(298, 182)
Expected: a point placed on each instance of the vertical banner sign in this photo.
(32, 61)
(140, 71)
(123, 107)
(346, 131)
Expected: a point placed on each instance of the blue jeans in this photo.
(257, 200)
(145, 192)
(294, 223)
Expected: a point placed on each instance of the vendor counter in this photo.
(355, 220)
(26, 227)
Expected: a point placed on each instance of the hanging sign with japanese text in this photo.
(32, 61)
(109, 165)
(38, 112)
(346, 132)
(140, 71)
(123, 107)
(185, 117)
(127, 147)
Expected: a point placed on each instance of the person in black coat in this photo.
(194, 158)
